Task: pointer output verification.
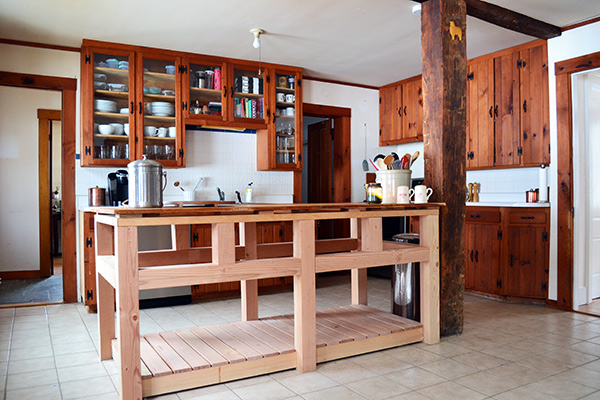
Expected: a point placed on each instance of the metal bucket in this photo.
(146, 183)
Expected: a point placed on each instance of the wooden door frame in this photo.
(564, 159)
(342, 175)
(45, 118)
(68, 89)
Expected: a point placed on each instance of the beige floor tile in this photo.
(27, 342)
(518, 373)
(104, 396)
(68, 374)
(451, 390)
(481, 361)
(413, 355)
(3, 368)
(587, 348)
(561, 388)
(577, 333)
(83, 358)
(203, 392)
(249, 381)
(223, 395)
(558, 340)
(271, 390)
(486, 383)
(46, 392)
(416, 378)
(307, 382)
(544, 364)
(593, 396)
(379, 387)
(534, 346)
(380, 363)
(449, 369)
(30, 365)
(31, 352)
(34, 378)
(338, 392)
(523, 393)
(571, 358)
(344, 371)
(594, 366)
(508, 352)
(77, 347)
(446, 349)
(583, 376)
(30, 333)
(89, 387)
(409, 396)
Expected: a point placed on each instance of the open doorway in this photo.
(586, 192)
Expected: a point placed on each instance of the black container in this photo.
(405, 284)
(118, 188)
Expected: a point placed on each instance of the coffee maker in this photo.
(118, 188)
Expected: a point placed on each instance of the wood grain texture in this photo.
(444, 134)
(249, 288)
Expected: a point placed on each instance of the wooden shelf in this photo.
(285, 104)
(160, 77)
(111, 93)
(113, 137)
(285, 90)
(112, 116)
(112, 72)
(159, 139)
(154, 118)
(285, 116)
(206, 92)
(249, 95)
(159, 97)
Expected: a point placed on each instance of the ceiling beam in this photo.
(509, 19)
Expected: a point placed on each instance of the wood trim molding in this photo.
(580, 24)
(39, 45)
(509, 50)
(564, 160)
(360, 85)
(317, 110)
(68, 87)
(27, 274)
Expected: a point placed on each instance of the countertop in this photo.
(506, 204)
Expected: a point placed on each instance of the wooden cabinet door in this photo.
(412, 111)
(482, 244)
(527, 260)
(506, 110)
(388, 115)
(480, 114)
(535, 133)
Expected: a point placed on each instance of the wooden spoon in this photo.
(177, 184)
(380, 164)
(414, 157)
(388, 161)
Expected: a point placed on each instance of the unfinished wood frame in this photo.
(68, 88)
(564, 160)
(171, 360)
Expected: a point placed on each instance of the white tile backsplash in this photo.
(505, 184)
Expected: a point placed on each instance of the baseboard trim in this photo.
(21, 274)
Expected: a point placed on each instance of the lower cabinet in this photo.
(506, 251)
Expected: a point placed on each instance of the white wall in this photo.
(572, 43)
(19, 204)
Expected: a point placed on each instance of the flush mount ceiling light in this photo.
(416, 10)
(256, 32)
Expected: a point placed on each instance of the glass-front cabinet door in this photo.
(205, 99)
(159, 109)
(108, 89)
(247, 94)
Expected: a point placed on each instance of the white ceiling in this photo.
(369, 42)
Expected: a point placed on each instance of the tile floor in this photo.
(507, 351)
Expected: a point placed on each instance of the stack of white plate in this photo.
(162, 109)
(108, 106)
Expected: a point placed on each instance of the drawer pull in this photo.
(475, 216)
(528, 217)
(476, 256)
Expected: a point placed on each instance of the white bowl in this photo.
(124, 110)
(126, 129)
(106, 129)
(118, 128)
(118, 87)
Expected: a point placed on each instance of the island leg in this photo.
(249, 288)
(430, 279)
(371, 240)
(305, 319)
(128, 313)
(105, 293)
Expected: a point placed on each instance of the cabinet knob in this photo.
(524, 106)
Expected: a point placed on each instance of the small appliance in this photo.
(118, 187)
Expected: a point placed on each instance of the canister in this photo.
(96, 196)
(146, 183)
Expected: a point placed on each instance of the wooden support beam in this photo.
(443, 36)
(508, 19)
(249, 287)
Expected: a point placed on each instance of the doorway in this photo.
(66, 88)
(586, 192)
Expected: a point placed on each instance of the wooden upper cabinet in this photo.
(480, 114)
(535, 133)
(205, 90)
(506, 110)
(401, 112)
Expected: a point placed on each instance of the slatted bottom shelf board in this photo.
(178, 360)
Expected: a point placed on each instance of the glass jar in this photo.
(374, 193)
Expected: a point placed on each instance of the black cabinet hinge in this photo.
(88, 150)
(89, 294)
(299, 82)
(380, 132)
(471, 76)
(498, 283)
(195, 237)
(499, 233)
(544, 236)
(88, 59)
(180, 153)
(520, 151)
(184, 105)
(299, 157)
(548, 149)
(268, 78)
(183, 69)
(544, 286)
(521, 64)
(136, 139)
(511, 263)
(380, 100)
(88, 242)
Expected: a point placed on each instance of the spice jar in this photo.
(374, 193)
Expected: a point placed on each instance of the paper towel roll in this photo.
(543, 185)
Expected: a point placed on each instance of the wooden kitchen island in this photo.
(171, 361)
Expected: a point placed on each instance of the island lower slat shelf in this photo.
(171, 361)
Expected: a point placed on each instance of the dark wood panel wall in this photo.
(443, 35)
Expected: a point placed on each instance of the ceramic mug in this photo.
(280, 97)
(126, 128)
(150, 131)
(172, 131)
(422, 193)
(404, 194)
(289, 98)
(162, 132)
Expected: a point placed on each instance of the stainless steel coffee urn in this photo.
(146, 183)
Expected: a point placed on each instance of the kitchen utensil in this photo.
(147, 186)
(96, 196)
(395, 155)
(414, 157)
(112, 63)
(476, 187)
(189, 196)
(378, 156)
(168, 92)
(124, 110)
(374, 165)
(381, 164)
(198, 184)
(177, 184)
(221, 194)
(239, 197)
(388, 161)
(404, 162)
(162, 131)
(397, 165)
(365, 164)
